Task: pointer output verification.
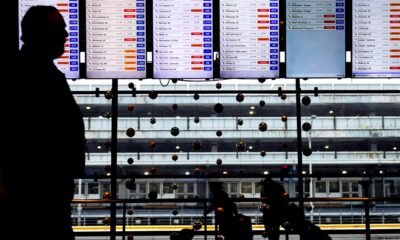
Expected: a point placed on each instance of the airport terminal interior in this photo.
(176, 94)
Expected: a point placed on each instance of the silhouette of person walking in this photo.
(273, 205)
(225, 210)
(46, 150)
(277, 211)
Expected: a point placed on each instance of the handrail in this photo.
(240, 91)
(202, 200)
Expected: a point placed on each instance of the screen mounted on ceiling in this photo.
(116, 39)
(315, 36)
(183, 39)
(376, 38)
(249, 39)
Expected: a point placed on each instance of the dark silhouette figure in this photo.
(277, 211)
(46, 149)
(184, 234)
(225, 210)
(274, 202)
(294, 218)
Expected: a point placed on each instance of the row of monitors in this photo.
(183, 34)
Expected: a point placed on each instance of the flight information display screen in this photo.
(116, 39)
(376, 38)
(68, 63)
(249, 38)
(315, 38)
(183, 39)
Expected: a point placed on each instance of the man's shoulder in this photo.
(23, 65)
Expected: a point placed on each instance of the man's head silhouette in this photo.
(43, 31)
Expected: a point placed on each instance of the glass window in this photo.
(306, 189)
(155, 187)
(77, 188)
(345, 186)
(93, 188)
(181, 188)
(167, 188)
(246, 187)
(141, 188)
(189, 188)
(334, 186)
(354, 186)
(234, 188)
(320, 187)
(106, 187)
(392, 188)
(350, 189)
(370, 132)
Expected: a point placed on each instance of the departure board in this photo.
(315, 38)
(376, 38)
(249, 38)
(68, 63)
(115, 39)
(183, 39)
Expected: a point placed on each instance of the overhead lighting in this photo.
(146, 173)
(381, 172)
(394, 148)
(250, 147)
(108, 174)
(98, 147)
(326, 146)
(187, 173)
(177, 147)
(252, 107)
(304, 172)
(266, 172)
(344, 172)
(251, 112)
(88, 108)
(330, 111)
(225, 173)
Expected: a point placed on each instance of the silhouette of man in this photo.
(306, 229)
(273, 206)
(46, 150)
(277, 211)
(225, 210)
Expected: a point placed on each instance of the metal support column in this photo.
(299, 147)
(114, 151)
